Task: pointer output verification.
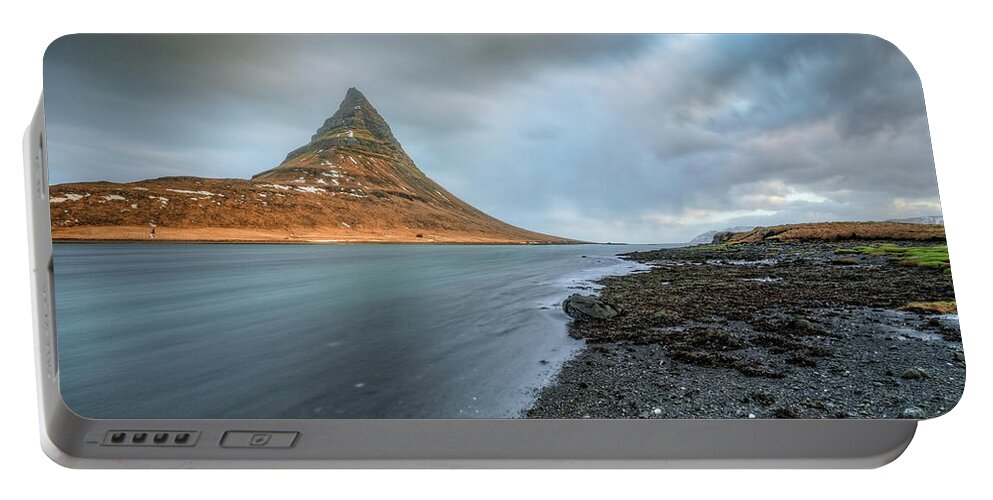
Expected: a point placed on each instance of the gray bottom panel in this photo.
(79, 442)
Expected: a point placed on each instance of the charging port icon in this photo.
(260, 439)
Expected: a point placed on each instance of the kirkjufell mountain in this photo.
(352, 182)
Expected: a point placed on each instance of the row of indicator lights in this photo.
(142, 437)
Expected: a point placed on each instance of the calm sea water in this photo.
(315, 331)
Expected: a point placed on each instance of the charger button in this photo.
(258, 439)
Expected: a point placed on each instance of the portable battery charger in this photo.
(589, 251)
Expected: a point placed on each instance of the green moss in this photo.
(929, 256)
(721, 246)
(666, 315)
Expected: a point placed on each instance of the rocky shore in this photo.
(827, 328)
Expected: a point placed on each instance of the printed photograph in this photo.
(496, 226)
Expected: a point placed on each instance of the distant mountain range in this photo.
(925, 219)
(837, 231)
(352, 182)
(708, 237)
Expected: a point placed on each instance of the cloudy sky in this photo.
(604, 138)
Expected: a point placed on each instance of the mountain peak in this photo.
(356, 129)
(354, 96)
(355, 124)
(354, 103)
(356, 115)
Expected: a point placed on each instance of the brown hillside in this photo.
(351, 183)
(834, 231)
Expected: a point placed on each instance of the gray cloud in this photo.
(620, 138)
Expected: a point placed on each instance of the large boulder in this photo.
(588, 307)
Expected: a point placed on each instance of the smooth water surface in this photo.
(315, 331)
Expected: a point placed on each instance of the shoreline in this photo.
(294, 235)
(764, 330)
(61, 241)
(581, 280)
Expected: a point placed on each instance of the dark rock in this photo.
(802, 325)
(762, 397)
(788, 411)
(914, 373)
(801, 361)
(588, 307)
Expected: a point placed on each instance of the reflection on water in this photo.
(315, 331)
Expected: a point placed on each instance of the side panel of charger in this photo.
(74, 441)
